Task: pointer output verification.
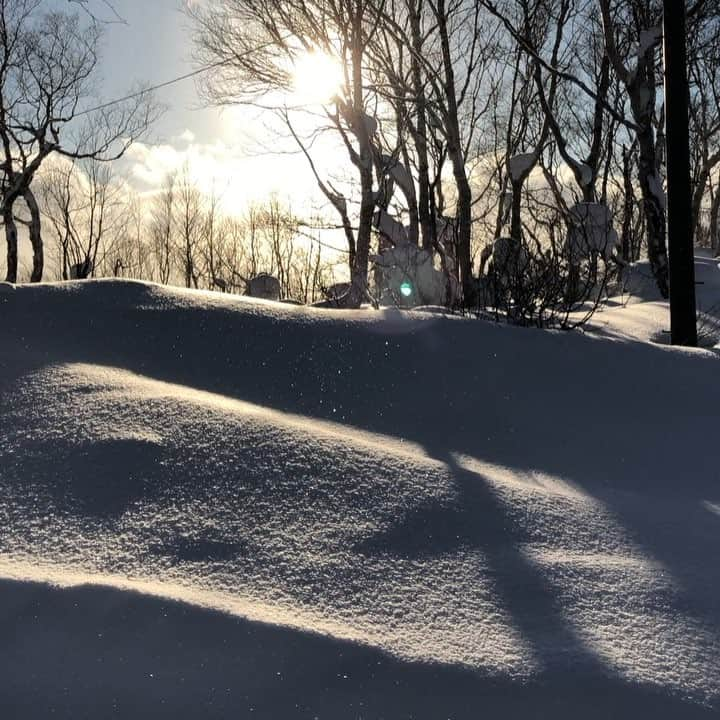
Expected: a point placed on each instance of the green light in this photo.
(406, 289)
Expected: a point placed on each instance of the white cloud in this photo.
(187, 136)
(237, 177)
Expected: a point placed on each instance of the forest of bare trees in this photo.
(97, 226)
(48, 63)
(60, 182)
(473, 130)
(453, 91)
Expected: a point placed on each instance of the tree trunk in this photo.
(35, 232)
(714, 220)
(516, 210)
(653, 205)
(683, 311)
(412, 202)
(593, 159)
(11, 236)
(463, 212)
(628, 206)
(359, 271)
(65, 259)
(640, 85)
(642, 101)
(464, 223)
(420, 136)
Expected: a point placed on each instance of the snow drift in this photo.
(396, 515)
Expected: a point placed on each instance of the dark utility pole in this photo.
(683, 326)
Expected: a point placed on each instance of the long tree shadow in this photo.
(478, 520)
(543, 412)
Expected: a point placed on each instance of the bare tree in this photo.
(592, 130)
(87, 208)
(188, 227)
(704, 109)
(162, 227)
(434, 65)
(212, 241)
(131, 254)
(636, 24)
(714, 229)
(47, 60)
(256, 44)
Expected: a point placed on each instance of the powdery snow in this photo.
(519, 164)
(217, 507)
(648, 39)
(586, 174)
(639, 313)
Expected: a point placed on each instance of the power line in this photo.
(173, 81)
(152, 88)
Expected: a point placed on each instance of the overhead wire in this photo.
(173, 81)
(152, 88)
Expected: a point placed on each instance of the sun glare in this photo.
(317, 78)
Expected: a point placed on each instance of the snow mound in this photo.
(447, 508)
(639, 313)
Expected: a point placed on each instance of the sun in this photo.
(317, 78)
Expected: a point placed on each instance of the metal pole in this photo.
(683, 324)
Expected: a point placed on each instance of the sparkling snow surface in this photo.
(397, 515)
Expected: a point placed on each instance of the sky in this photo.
(225, 148)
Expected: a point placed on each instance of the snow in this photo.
(400, 174)
(586, 174)
(217, 507)
(509, 259)
(409, 264)
(394, 230)
(639, 313)
(519, 165)
(648, 39)
(592, 231)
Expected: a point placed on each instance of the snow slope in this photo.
(640, 313)
(216, 507)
